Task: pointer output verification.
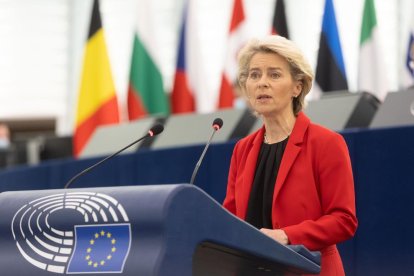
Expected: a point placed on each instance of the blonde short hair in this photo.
(300, 69)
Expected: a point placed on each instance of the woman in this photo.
(291, 179)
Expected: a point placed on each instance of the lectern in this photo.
(136, 230)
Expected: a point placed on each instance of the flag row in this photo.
(97, 101)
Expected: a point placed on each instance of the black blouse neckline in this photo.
(259, 209)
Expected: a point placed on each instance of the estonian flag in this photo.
(330, 69)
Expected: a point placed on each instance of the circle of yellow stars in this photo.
(97, 236)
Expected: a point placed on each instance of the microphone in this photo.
(155, 130)
(217, 124)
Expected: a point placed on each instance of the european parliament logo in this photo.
(77, 232)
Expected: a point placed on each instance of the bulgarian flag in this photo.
(237, 39)
(146, 94)
(97, 101)
(372, 77)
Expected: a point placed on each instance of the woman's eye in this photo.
(254, 75)
(275, 75)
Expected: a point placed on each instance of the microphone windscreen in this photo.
(217, 123)
(155, 130)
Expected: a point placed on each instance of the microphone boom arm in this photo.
(202, 156)
(155, 130)
(103, 160)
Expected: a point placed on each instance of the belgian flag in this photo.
(97, 101)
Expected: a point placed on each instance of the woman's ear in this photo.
(298, 88)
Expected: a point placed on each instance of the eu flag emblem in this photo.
(100, 248)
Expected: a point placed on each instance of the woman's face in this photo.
(270, 87)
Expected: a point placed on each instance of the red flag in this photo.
(237, 39)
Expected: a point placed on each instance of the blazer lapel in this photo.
(292, 150)
(250, 169)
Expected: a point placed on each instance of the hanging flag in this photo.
(146, 94)
(409, 64)
(330, 69)
(279, 23)
(182, 98)
(237, 39)
(97, 102)
(371, 76)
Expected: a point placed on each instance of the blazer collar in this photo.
(297, 135)
(292, 150)
(299, 129)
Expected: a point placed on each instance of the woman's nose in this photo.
(263, 82)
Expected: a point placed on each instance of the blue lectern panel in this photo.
(139, 230)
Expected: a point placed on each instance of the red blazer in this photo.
(313, 200)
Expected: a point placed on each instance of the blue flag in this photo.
(330, 69)
(100, 248)
(410, 55)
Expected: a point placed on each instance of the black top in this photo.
(259, 208)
